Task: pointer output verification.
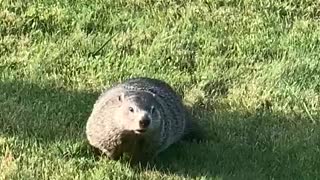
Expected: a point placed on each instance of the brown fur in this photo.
(114, 129)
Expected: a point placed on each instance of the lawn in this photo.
(250, 69)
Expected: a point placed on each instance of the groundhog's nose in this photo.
(144, 122)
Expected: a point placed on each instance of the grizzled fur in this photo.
(113, 126)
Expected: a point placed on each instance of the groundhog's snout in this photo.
(144, 122)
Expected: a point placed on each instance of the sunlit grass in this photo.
(249, 68)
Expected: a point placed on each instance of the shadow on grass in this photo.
(44, 114)
(244, 145)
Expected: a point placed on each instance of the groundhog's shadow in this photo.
(46, 114)
(243, 145)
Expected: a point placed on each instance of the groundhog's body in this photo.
(140, 117)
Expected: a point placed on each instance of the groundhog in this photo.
(140, 117)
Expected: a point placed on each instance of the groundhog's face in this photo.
(139, 112)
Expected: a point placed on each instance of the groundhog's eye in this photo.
(131, 109)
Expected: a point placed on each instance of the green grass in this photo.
(250, 69)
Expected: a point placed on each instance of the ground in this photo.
(250, 70)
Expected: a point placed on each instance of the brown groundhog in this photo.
(140, 117)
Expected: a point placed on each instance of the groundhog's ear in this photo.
(121, 97)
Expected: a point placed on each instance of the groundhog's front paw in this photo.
(114, 155)
(143, 159)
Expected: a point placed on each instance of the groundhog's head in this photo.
(139, 112)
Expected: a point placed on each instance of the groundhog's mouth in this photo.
(140, 131)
